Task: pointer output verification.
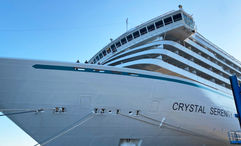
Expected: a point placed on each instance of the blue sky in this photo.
(67, 30)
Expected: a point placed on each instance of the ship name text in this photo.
(196, 108)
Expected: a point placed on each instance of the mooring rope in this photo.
(166, 125)
(20, 111)
(66, 130)
(6, 110)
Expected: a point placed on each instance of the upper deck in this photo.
(177, 25)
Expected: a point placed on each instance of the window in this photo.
(118, 44)
(151, 27)
(113, 48)
(159, 24)
(129, 37)
(104, 52)
(177, 17)
(188, 21)
(143, 31)
(100, 55)
(136, 34)
(108, 50)
(97, 58)
(94, 61)
(168, 20)
(123, 41)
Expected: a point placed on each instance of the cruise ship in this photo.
(159, 84)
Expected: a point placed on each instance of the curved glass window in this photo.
(177, 17)
(100, 55)
(104, 52)
(118, 44)
(97, 58)
(113, 48)
(188, 21)
(129, 37)
(108, 50)
(168, 20)
(159, 24)
(151, 27)
(136, 34)
(123, 41)
(143, 31)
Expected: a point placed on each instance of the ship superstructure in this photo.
(170, 44)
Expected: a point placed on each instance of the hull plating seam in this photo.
(69, 68)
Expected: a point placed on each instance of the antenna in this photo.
(127, 24)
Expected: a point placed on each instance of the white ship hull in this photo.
(26, 84)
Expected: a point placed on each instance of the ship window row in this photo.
(195, 60)
(192, 70)
(178, 64)
(218, 56)
(130, 53)
(224, 66)
(180, 53)
(149, 28)
(227, 61)
(146, 56)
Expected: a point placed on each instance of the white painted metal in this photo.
(24, 87)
